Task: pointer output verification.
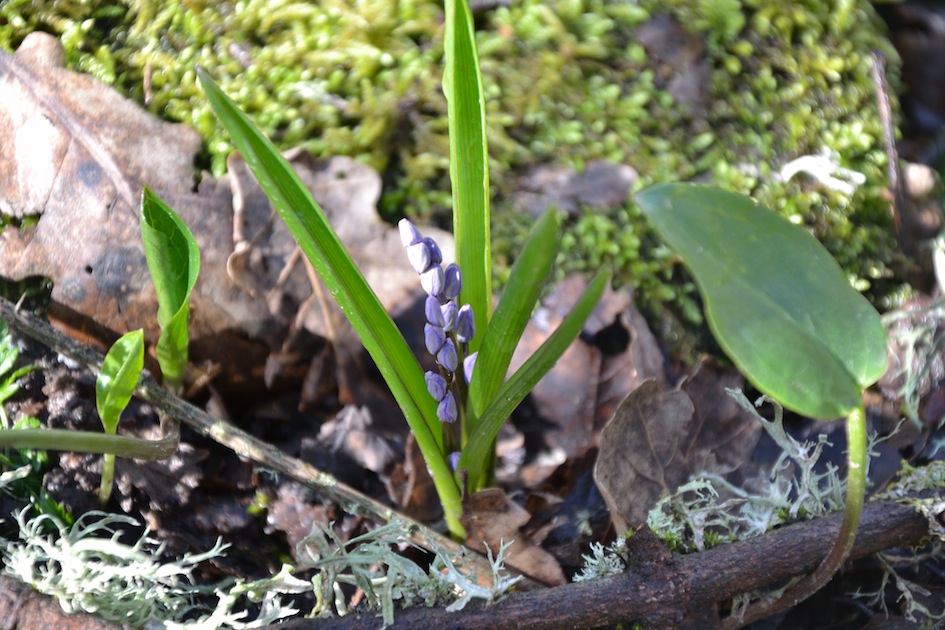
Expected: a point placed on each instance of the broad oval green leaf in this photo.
(174, 262)
(777, 302)
(118, 377)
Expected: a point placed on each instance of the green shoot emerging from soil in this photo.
(489, 399)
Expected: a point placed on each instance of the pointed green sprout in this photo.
(785, 314)
(174, 262)
(114, 387)
(491, 401)
(9, 354)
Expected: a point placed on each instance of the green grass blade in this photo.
(174, 262)
(469, 162)
(526, 279)
(347, 285)
(118, 377)
(478, 448)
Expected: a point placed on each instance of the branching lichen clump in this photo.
(566, 81)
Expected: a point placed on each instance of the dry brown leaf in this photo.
(81, 174)
(411, 488)
(723, 436)
(491, 519)
(624, 372)
(601, 184)
(639, 459)
(657, 440)
(78, 155)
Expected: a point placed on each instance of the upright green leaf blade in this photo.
(118, 377)
(172, 254)
(347, 285)
(526, 280)
(469, 161)
(174, 262)
(777, 302)
(477, 451)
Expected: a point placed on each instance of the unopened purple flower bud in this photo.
(436, 256)
(465, 323)
(432, 280)
(449, 313)
(453, 283)
(436, 385)
(446, 410)
(408, 233)
(419, 256)
(469, 363)
(434, 313)
(447, 356)
(454, 460)
(433, 338)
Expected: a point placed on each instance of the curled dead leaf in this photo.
(491, 519)
(657, 440)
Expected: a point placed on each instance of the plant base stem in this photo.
(108, 478)
(856, 488)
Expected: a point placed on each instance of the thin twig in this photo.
(893, 170)
(240, 442)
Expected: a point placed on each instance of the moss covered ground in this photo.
(567, 82)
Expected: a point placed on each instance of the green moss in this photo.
(567, 81)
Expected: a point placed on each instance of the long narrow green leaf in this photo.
(347, 285)
(174, 262)
(478, 449)
(469, 162)
(526, 280)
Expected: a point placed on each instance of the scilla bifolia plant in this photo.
(482, 407)
(784, 312)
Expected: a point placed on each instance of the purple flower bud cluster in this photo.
(449, 327)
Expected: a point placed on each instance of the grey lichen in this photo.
(709, 510)
(87, 567)
(372, 563)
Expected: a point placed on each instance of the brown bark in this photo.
(665, 589)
